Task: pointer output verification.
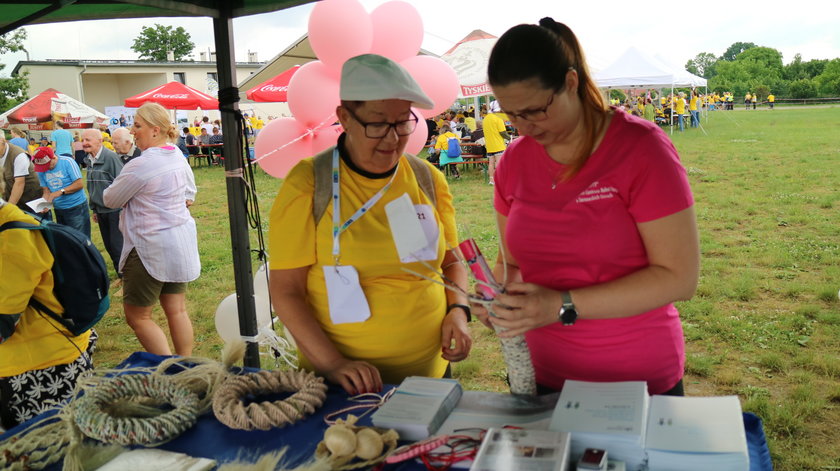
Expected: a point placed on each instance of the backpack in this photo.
(322, 168)
(80, 276)
(454, 147)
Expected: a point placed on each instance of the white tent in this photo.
(637, 69)
(469, 59)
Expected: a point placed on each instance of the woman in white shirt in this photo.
(160, 249)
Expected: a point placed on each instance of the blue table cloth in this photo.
(211, 439)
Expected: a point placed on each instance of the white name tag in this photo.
(344, 292)
(406, 229)
(426, 217)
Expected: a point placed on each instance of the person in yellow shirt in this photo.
(39, 360)
(442, 147)
(469, 120)
(357, 316)
(679, 109)
(495, 138)
(771, 99)
(747, 100)
(258, 125)
(693, 109)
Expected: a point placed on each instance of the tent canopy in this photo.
(274, 89)
(637, 69)
(50, 105)
(469, 59)
(174, 96)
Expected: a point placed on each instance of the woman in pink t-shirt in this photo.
(597, 223)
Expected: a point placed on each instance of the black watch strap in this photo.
(462, 306)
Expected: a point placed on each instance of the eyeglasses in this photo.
(533, 115)
(380, 130)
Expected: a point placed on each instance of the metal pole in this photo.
(240, 243)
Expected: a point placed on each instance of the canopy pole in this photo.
(239, 239)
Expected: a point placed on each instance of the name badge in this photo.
(407, 231)
(347, 301)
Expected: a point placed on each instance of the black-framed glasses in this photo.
(533, 115)
(381, 129)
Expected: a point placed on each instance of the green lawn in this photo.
(765, 322)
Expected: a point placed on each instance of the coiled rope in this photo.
(106, 413)
(230, 409)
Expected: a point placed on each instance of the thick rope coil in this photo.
(100, 413)
(229, 408)
(34, 450)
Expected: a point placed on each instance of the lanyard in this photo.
(338, 227)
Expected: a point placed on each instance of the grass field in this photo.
(765, 322)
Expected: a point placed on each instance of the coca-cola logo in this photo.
(163, 95)
(29, 119)
(274, 88)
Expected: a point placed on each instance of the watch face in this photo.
(569, 315)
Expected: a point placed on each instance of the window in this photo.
(180, 77)
(212, 76)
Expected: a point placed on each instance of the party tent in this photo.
(39, 112)
(469, 59)
(637, 69)
(174, 96)
(274, 89)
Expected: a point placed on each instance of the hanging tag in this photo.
(347, 301)
(406, 230)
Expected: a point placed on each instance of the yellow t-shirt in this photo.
(493, 125)
(259, 124)
(771, 98)
(679, 106)
(470, 122)
(402, 336)
(692, 105)
(25, 268)
(442, 142)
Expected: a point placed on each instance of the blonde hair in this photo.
(157, 116)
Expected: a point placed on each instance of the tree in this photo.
(13, 90)
(735, 49)
(154, 41)
(703, 65)
(829, 80)
(803, 88)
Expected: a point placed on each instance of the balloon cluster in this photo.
(394, 30)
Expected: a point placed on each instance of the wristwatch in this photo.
(466, 309)
(63, 192)
(568, 313)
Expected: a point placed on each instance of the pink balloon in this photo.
(279, 146)
(339, 30)
(325, 138)
(418, 138)
(436, 78)
(313, 94)
(397, 30)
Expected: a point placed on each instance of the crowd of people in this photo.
(138, 192)
(661, 109)
(596, 220)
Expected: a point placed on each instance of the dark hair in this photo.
(547, 52)
(186, 130)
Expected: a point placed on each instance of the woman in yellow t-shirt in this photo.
(38, 362)
(442, 148)
(679, 108)
(357, 316)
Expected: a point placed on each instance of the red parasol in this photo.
(175, 96)
(273, 90)
(41, 110)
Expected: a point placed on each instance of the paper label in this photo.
(347, 301)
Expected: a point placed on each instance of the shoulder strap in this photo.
(424, 177)
(322, 169)
(20, 225)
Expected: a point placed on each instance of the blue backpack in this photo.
(454, 149)
(80, 276)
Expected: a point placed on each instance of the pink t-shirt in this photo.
(583, 232)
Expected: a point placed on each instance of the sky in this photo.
(675, 32)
